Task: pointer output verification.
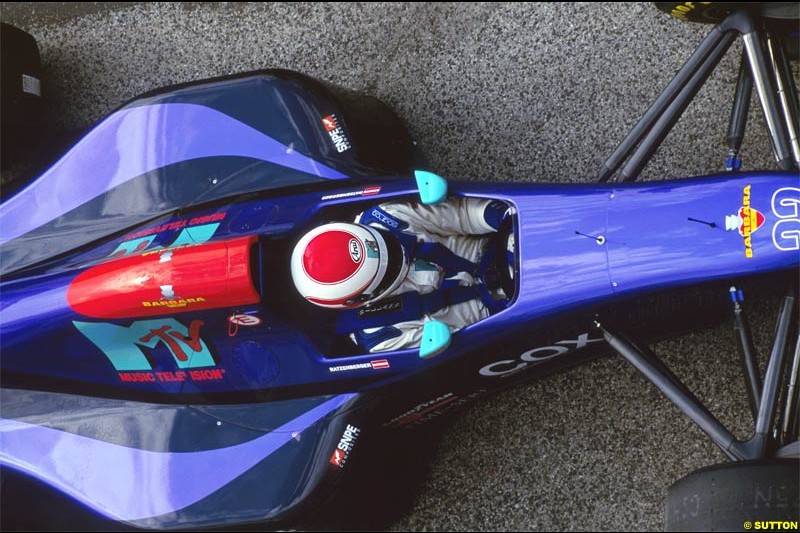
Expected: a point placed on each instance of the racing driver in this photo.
(400, 265)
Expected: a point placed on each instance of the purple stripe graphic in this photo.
(125, 483)
(122, 147)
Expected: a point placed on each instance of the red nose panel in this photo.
(167, 281)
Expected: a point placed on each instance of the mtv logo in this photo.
(122, 344)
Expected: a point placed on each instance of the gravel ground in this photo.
(506, 92)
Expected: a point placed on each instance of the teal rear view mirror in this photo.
(436, 338)
(432, 187)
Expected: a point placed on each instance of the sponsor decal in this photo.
(356, 251)
(211, 374)
(508, 367)
(369, 191)
(682, 9)
(345, 368)
(179, 224)
(165, 255)
(236, 320)
(786, 206)
(193, 231)
(330, 123)
(214, 374)
(133, 246)
(336, 133)
(337, 458)
(747, 220)
(124, 348)
(390, 305)
(345, 446)
(418, 412)
(178, 303)
(378, 364)
(385, 219)
(372, 248)
(427, 411)
(167, 292)
(245, 320)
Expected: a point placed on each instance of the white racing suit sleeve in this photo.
(456, 216)
(459, 224)
(405, 335)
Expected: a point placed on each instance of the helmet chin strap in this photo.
(383, 264)
(369, 296)
(398, 280)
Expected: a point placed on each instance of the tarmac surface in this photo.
(506, 92)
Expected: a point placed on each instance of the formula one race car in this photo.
(160, 370)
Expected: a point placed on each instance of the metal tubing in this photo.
(677, 394)
(772, 375)
(659, 365)
(657, 108)
(752, 374)
(789, 422)
(786, 95)
(663, 125)
(741, 106)
(766, 94)
(786, 69)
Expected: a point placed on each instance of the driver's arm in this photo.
(405, 335)
(455, 216)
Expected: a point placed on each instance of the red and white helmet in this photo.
(343, 265)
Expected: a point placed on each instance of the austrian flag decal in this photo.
(336, 133)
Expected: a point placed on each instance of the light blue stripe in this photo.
(125, 483)
(133, 142)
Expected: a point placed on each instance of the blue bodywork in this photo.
(185, 428)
